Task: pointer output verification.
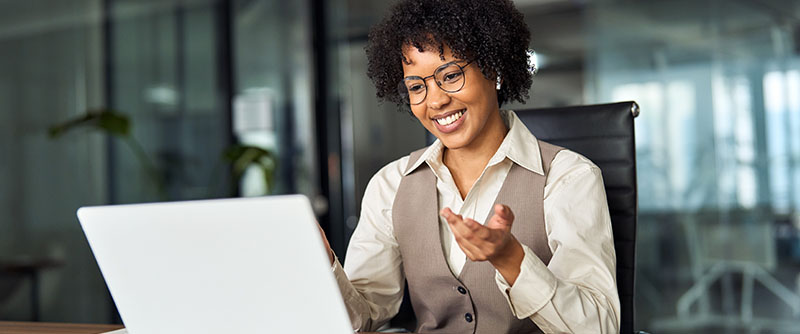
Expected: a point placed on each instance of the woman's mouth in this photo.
(450, 122)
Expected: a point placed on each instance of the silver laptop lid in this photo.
(245, 265)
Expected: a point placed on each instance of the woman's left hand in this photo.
(493, 242)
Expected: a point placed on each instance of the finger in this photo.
(479, 231)
(482, 249)
(459, 228)
(470, 229)
(482, 240)
(446, 212)
(472, 251)
(454, 220)
(472, 224)
(450, 216)
(502, 218)
(478, 244)
(504, 211)
(324, 237)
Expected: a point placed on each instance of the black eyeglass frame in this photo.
(403, 89)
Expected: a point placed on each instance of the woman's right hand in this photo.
(326, 243)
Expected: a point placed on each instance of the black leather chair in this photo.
(604, 134)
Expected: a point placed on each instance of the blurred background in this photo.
(123, 101)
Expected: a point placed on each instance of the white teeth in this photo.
(450, 119)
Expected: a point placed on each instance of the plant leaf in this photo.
(104, 120)
(243, 157)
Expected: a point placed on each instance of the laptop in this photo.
(244, 265)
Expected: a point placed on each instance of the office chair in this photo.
(604, 134)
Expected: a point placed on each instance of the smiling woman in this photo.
(493, 230)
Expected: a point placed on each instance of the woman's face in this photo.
(458, 119)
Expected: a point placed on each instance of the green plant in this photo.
(243, 157)
(118, 125)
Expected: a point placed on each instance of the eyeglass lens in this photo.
(450, 78)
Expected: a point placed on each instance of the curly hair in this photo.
(492, 33)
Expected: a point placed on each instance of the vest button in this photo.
(462, 290)
(468, 317)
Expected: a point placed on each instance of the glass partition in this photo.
(167, 76)
(717, 151)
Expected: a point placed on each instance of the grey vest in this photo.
(471, 302)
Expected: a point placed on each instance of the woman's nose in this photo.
(437, 98)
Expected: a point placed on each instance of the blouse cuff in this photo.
(533, 289)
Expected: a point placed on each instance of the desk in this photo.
(13, 327)
(28, 267)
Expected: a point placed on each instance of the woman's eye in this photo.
(450, 77)
(415, 89)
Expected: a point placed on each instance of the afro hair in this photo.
(491, 33)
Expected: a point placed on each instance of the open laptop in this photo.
(245, 265)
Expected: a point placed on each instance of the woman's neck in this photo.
(467, 163)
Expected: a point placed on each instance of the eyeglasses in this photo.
(449, 77)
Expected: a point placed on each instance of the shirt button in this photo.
(462, 290)
(468, 317)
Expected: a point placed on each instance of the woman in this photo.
(494, 230)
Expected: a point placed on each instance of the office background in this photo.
(718, 138)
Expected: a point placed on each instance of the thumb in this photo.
(502, 218)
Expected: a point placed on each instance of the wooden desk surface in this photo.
(14, 327)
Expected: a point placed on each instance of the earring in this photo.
(499, 83)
